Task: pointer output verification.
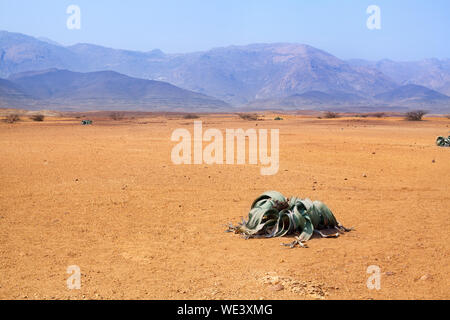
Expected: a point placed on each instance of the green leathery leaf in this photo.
(307, 230)
(443, 142)
(314, 215)
(328, 219)
(274, 195)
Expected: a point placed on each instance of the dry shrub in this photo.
(37, 117)
(190, 116)
(448, 116)
(248, 117)
(416, 115)
(330, 115)
(116, 116)
(11, 118)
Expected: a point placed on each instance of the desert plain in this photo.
(108, 198)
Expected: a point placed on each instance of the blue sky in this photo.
(410, 29)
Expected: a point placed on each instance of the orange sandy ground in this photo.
(108, 199)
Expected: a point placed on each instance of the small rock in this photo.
(364, 175)
(389, 273)
(275, 280)
(315, 296)
(277, 287)
(425, 277)
(433, 161)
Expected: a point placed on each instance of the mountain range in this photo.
(102, 90)
(277, 75)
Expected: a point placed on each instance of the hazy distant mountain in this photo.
(237, 74)
(313, 100)
(11, 94)
(401, 98)
(431, 73)
(240, 74)
(106, 90)
(416, 95)
(293, 75)
(50, 41)
(19, 53)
